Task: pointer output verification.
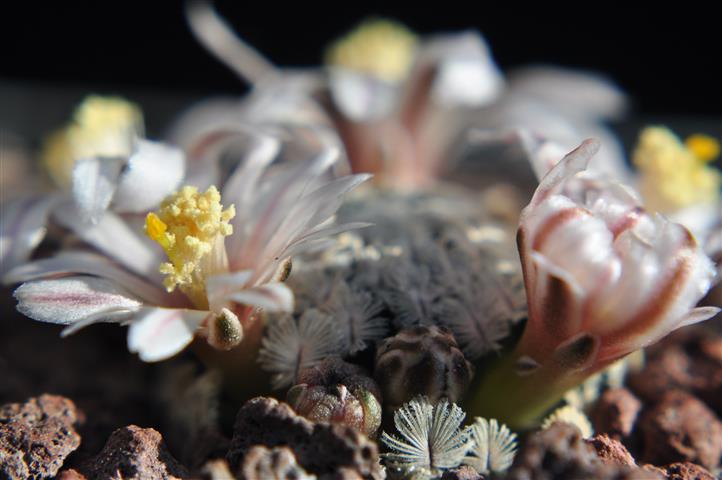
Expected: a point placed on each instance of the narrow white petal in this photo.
(153, 172)
(86, 263)
(361, 97)
(69, 300)
(273, 297)
(114, 237)
(466, 72)
(94, 183)
(576, 93)
(218, 37)
(159, 333)
(699, 314)
(22, 228)
(241, 185)
(220, 287)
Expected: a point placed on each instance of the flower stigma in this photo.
(382, 48)
(190, 226)
(676, 175)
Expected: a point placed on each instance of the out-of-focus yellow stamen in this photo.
(189, 226)
(675, 175)
(101, 127)
(704, 147)
(382, 48)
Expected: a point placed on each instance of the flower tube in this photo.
(603, 278)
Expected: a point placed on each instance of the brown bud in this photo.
(421, 361)
(224, 330)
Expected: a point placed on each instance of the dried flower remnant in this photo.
(603, 278)
(292, 345)
(431, 438)
(493, 446)
(572, 415)
(225, 266)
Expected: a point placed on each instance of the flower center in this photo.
(382, 48)
(101, 127)
(675, 174)
(190, 226)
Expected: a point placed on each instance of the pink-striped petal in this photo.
(70, 300)
(86, 263)
(114, 237)
(159, 333)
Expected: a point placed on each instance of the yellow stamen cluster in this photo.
(674, 174)
(101, 127)
(189, 226)
(382, 48)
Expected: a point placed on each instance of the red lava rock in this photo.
(687, 471)
(321, 449)
(560, 453)
(611, 451)
(37, 436)
(681, 428)
(615, 413)
(278, 463)
(134, 453)
(689, 360)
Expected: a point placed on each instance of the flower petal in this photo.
(22, 228)
(273, 297)
(577, 93)
(466, 72)
(361, 97)
(94, 183)
(220, 287)
(114, 237)
(86, 263)
(159, 333)
(74, 299)
(153, 172)
(240, 186)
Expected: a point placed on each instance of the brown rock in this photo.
(321, 449)
(611, 451)
(71, 474)
(687, 471)
(134, 453)
(690, 360)
(615, 413)
(278, 463)
(560, 453)
(464, 472)
(37, 436)
(681, 428)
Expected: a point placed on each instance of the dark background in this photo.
(667, 58)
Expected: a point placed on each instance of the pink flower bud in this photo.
(603, 277)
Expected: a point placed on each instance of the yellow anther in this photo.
(190, 227)
(101, 127)
(382, 48)
(704, 147)
(673, 175)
